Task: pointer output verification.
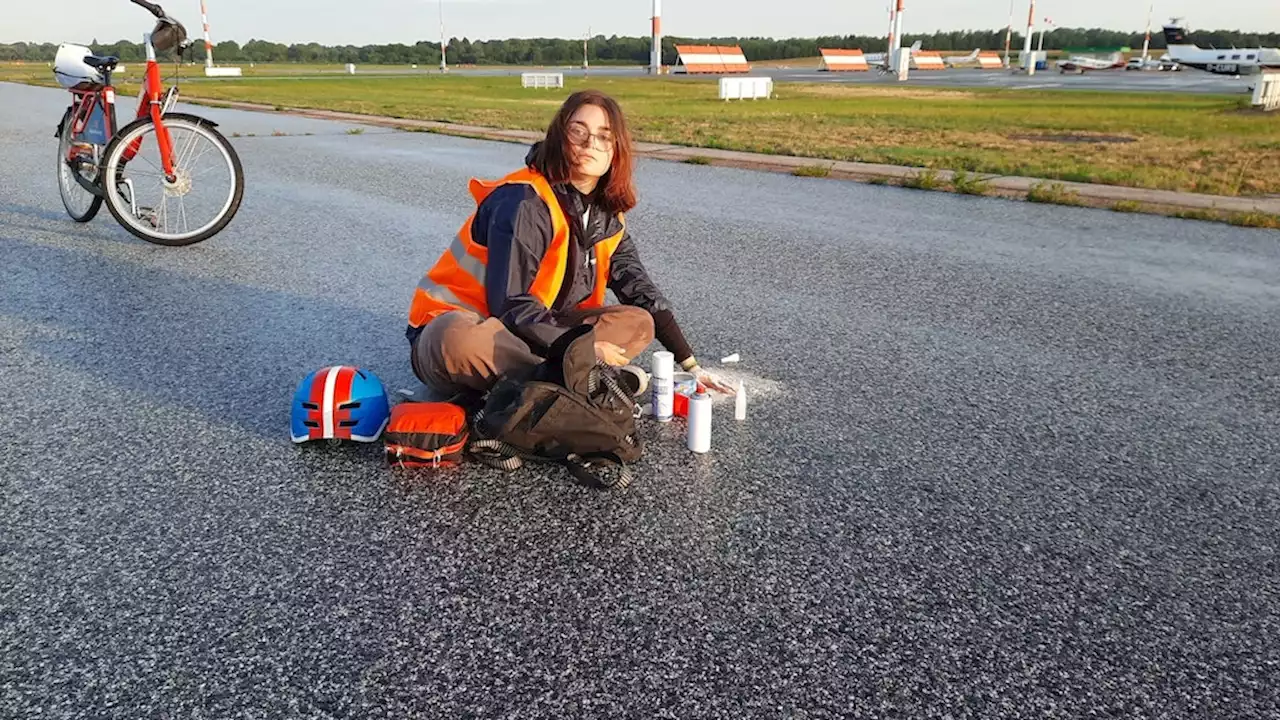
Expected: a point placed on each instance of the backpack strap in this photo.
(602, 471)
(602, 373)
(605, 471)
(497, 454)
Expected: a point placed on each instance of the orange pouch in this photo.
(426, 434)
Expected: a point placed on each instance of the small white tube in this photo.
(663, 372)
(699, 438)
(731, 359)
(740, 403)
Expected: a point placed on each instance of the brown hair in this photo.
(553, 156)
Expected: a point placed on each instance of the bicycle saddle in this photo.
(106, 62)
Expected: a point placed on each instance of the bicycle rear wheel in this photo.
(196, 204)
(77, 158)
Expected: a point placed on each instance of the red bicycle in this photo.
(169, 178)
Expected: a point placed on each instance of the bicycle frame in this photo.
(86, 102)
(152, 103)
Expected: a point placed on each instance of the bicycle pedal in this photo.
(149, 215)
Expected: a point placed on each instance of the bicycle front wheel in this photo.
(195, 204)
(77, 167)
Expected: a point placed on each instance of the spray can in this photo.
(699, 439)
(663, 372)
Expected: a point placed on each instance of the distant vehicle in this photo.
(1236, 61)
(1081, 64)
(970, 59)
(1164, 64)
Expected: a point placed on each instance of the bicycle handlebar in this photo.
(153, 8)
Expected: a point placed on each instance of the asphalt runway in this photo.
(1002, 460)
(1184, 81)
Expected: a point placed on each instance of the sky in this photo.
(342, 22)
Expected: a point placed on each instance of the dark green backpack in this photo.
(570, 409)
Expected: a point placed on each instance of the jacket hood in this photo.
(533, 149)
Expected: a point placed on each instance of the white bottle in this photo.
(699, 439)
(740, 403)
(663, 372)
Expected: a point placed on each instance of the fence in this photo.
(1266, 94)
(748, 88)
(542, 80)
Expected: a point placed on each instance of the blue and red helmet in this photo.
(340, 403)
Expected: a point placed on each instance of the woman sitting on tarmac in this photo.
(535, 260)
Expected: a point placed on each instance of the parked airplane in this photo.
(1236, 61)
(969, 59)
(1083, 63)
(882, 59)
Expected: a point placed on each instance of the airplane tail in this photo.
(1175, 35)
(915, 46)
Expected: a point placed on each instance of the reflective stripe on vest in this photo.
(452, 284)
(604, 256)
(456, 282)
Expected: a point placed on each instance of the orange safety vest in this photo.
(456, 282)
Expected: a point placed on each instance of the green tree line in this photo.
(615, 50)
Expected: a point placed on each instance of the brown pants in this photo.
(461, 350)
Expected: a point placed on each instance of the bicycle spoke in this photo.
(147, 160)
(182, 213)
(202, 154)
(79, 201)
(209, 169)
(160, 206)
(185, 156)
(180, 148)
(197, 152)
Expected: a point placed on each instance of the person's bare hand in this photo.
(713, 382)
(610, 354)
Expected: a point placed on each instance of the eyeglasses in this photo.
(580, 135)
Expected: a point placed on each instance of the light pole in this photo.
(655, 51)
(1146, 41)
(1027, 58)
(1008, 35)
(444, 64)
(1047, 23)
(895, 40)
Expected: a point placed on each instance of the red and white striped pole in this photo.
(655, 52)
(1028, 59)
(895, 38)
(1008, 36)
(208, 45)
(888, 50)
